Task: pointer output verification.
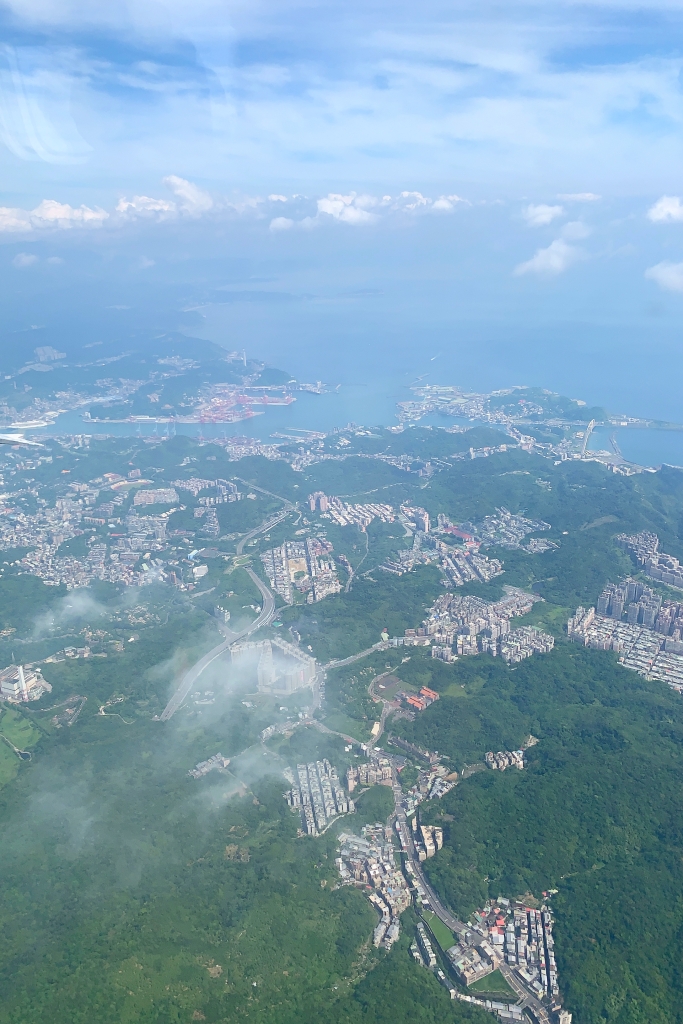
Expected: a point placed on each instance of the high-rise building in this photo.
(266, 668)
(422, 520)
(318, 500)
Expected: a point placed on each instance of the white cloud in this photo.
(342, 208)
(666, 209)
(552, 260)
(365, 202)
(62, 215)
(447, 202)
(411, 201)
(278, 199)
(50, 213)
(667, 275)
(538, 216)
(281, 224)
(579, 197)
(193, 199)
(24, 259)
(55, 260)
(12, 219)
(144, 204)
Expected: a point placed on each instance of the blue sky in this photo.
(496, 99)
(458, 171)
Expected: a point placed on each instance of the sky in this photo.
(341, 188)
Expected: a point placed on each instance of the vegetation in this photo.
(439, 930)
(133, 893)
(595, 814)
(494, 986)
(347, 623)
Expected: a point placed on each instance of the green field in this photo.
(439, 930)
(20, 732)
(493, 985)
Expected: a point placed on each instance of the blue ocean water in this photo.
(364, 404)
(645, 447)
(372, 404)
(376, 347)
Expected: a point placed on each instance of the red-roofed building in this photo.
(417, 702)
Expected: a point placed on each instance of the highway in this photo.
(265, 617)
(268, 525)
(289, 505)
(191, 677)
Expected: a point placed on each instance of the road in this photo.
(289, 505)
(268, 525)
(437, 906)
(191, 677)
(265, 616)
(449, 919)
(381, 646)
(525, 999)
(331, 732)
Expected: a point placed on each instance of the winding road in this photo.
(265, 617)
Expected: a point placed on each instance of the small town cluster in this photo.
(458, 564)
(204, 767)
(508, 936)
(458, 556)
(225, 490)
(505, 529)
(514, 935)
(129, 555)
(349, 515)
(369, 860)
(319, 796)
(645, 549)
(305, 566)
(504, 759)
(648, 641)
(462, 626)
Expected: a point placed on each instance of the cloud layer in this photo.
(193, 202)
(315, 93)
(185, 201)
(50, 214)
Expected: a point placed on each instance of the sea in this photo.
(371, 366)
